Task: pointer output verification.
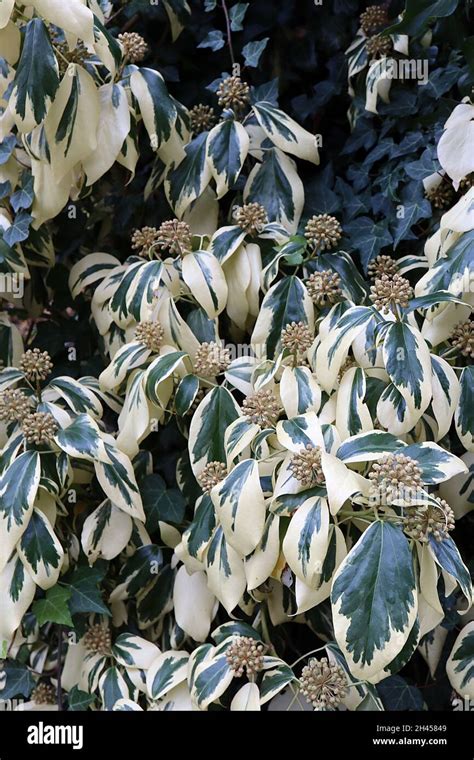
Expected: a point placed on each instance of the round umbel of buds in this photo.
(323, 685)
(373, 19)
(211, 359)
(233, 93)
(262, 408)
(324, 287)
(144, 240)
(134, 46)
(44, 694)
(14, 405)
(390, 291)
(323, 232)
(36, 364)
(65, 56)
(175, 236)
(425, 520)
(296, 337)
(393, 477)
(202, 118)
(39, 427)
(306, 466)
(441, 196)
(246, 655)
(462, 337)
(379, 46)
(251, 217)
(466, 183)
(211, 475)
(151, 334)
(382, 265)
(97, 640)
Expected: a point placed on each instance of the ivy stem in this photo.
(308, 654)
(229, 33)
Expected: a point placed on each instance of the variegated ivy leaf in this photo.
(196, 538)
(259, 566)
(40, 551)
(341, 482)
(18, 486)
(17, 591)
(334, 347)
(194, 604)
(77, 396)
(211, 679)
(407, 361)
(378, 83)
(465, 409)
(275, 681)
(287, 301)
(189, 179)
(106, 47)
(225, 571)
(275, 184)
(82, 440)
(214, 414)
(240, 507)
(238, 436)
(403, 657)
(106, 532)
(134, 419)
(306, 540)
(357, 56)
(90, 270)
(308, 597)
(452, 271)
(205, 279)
(374, 599)
(393, 412)
(225, 241)
(156, 107)
(285, 133)
(72, 121)
(6, 9)
(9, 376)
(160, 370)
(247, 699)
(446, 393)
(167, 671)
(460, 665)
(352, 413)
(436, 464)
(368, 446)
(446, 555)
(127, 358)
(134, 651)
(36, 79)
(114, 126)
(227, 149)
(117, 478)
(299, 391)
(297, 433)
(136, 293)
(178, 13)
(74, 17)
(112, 687)
(186, 393)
